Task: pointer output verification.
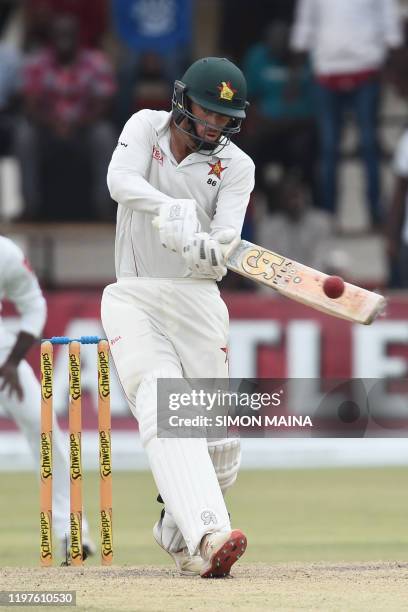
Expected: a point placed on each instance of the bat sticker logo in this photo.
(257, 262)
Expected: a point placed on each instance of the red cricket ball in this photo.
(333, 287)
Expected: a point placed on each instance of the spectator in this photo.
(152, 90)
(397, 225)
(397, 221)
(10, 84)
(92, 16)
(292, 227)
(348, 42)
(67, 92)
(143, 27)
(283, 123)
(236, 33)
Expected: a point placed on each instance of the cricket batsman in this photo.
(20, 392)
(164, 316)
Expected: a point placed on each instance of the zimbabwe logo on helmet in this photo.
(227, 92)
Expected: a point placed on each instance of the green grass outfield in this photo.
(288, 515)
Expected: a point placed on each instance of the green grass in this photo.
(288, 515)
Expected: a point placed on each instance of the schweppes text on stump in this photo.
(46, 375)
(74, 377)
(76, 535)
(46, 535)
(75, 448)
(105, 463)
(46, 455)
(103, 374)
(106, 533)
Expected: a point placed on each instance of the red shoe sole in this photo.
(225, 557)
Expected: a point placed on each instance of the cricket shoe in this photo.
(88, 549)
(187, 565)
(220, 550)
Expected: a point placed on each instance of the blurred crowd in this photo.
(77, 70)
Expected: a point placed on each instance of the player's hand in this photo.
(177, 223)
(9, 380)
(204, 254)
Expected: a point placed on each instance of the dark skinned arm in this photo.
(8, 371)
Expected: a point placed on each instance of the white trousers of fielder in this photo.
(174, 328)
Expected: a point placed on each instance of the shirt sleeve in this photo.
(392, 23)
(401, 157)
(22, 289)
(233, 197)
(304, 26)
(129, 166)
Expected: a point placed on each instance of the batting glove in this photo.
(204, 253)
(177, 223)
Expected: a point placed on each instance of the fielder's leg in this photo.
(27, 416)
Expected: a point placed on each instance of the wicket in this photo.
(75, 432)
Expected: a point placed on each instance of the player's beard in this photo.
(193, 141)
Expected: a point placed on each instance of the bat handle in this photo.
(227, 249)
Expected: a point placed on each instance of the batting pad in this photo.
(226, 458)
(182, 469)
(187, 482)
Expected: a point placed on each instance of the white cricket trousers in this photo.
(165, 328)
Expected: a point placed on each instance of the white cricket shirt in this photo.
(346, 36)
(19, 285)
(143, 174)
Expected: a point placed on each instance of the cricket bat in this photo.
(300, 283)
